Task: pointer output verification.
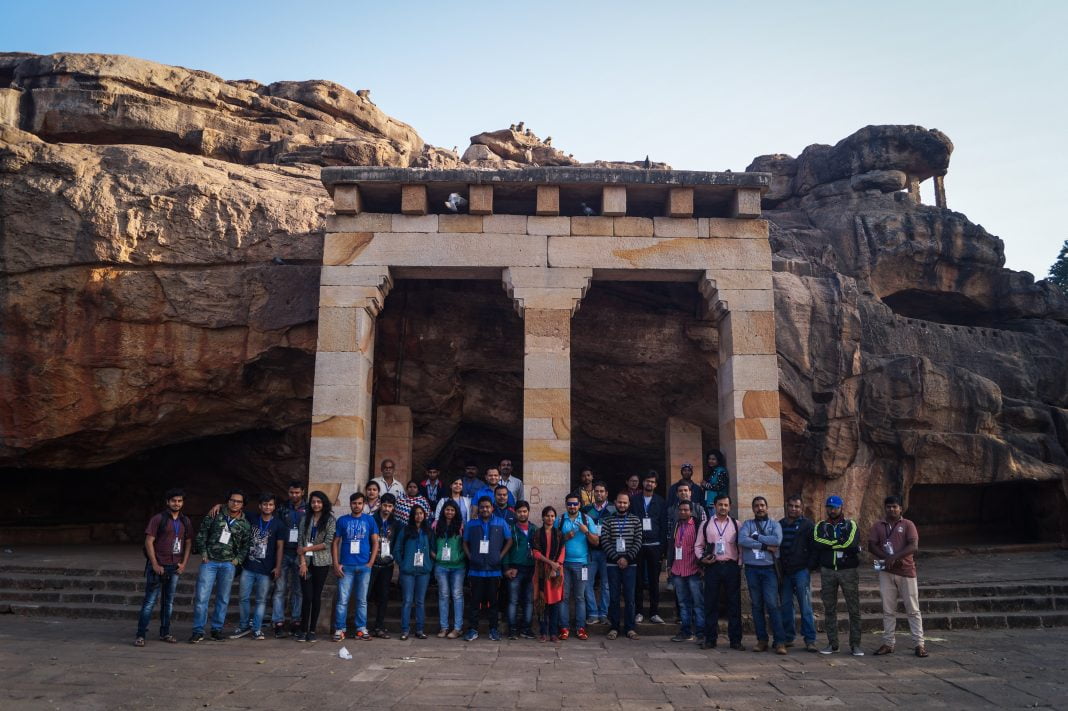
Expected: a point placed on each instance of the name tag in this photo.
(721, 548)
(224, 536)
(647, 524)
(354, 547)
(292, 535)
(585, 573)
(678, 552)
(759, 555)
(417, 559)
(383, 552)
(483, 546)
(621, 545)
(177, 547)
(889, 548)
(838, 554)
(446, 554)
(259, 550)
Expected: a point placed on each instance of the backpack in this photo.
(164, 521)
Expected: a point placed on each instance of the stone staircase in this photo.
(115, 592)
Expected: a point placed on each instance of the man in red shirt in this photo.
(894, 541)
(168, 542)
(686, 575)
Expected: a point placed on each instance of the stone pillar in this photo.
(914, 189)
(393, 440)
(940, 191)
(682, 442)
(350, 299)
(750, 433)
(546, 298)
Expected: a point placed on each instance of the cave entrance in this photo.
(640, 353)
(1005, 513)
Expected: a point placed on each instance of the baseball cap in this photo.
(835, 501)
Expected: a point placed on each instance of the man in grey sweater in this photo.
(760, 538)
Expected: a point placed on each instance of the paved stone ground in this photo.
(91, 664)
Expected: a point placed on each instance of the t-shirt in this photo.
(355, 533)
(898, 535)
(263, 547)
(164, 544)
(577, 550)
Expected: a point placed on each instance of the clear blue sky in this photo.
(701, 85)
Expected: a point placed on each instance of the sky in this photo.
(700, 85)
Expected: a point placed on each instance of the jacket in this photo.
(519, 555)
(837, 545)
(801, 554)
(324, 533)
(617, 525)
(657, 514)
(387, 531)
(235, 550)
(407, 545)
(498, 533)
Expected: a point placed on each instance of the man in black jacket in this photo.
(651, 510)
(796, 558)
(838, 549)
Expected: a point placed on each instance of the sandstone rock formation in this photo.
(160, 236)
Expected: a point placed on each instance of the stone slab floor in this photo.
(91, 664)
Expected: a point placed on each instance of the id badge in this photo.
(354, 547)
(177, 547)
(417, 559)
(224, 536)
(721, 548)
(446, 554)
(838, 554)
(259, 551)
(621, 545)
(678, 552)
(383, 552)
(483, 547)
(647, 524)
(759, 555)
(292, 535)
(889, 548)
(585, 573)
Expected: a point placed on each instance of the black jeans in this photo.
(483, 593)
(648, 577)
(729, 574)
(378, 594)
(311, 589)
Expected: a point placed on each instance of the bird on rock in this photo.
(519, 126)
(548, 140)
(647, 164)
(587, 210)
(455, 202)
(512, 127)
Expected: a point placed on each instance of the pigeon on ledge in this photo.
(455, 202)
(587, 210)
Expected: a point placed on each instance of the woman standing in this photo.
(548, 549)
(371, 492)
(413, 552)
(716, 481)
(448, 554)
(412, 497)
(456, 495)
(313, 547)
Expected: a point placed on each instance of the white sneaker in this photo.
(639, 618)
(656, 620)
(829, 650)
(856, 651)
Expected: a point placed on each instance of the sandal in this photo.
(169, 638)
(139, 642)
(921, 651)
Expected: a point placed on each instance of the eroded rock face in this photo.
(161, 235)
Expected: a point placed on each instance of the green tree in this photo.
(1058, 273)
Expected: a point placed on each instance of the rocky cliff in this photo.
(160, 235)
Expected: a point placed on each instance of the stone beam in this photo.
(350, 300)
(413, 200)
(480, 200)
(546, 299)
(614, 201)
(548, 204)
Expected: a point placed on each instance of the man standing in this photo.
(263, 565)
(432, 488)
(168, 539)
(686, 575)
(717, 549)
(760, 539)
(289, 581)
(838, 548)
(471, 482)
(514, 483)
(519, 572)
(382, 564)
(621, 541)
(697, 512)
(597, 602)
(489, 489)
(651, 510)
(894, 541)
(579, 533)
(223, 542)
(501, 509)
(796, 556)
(355, 548)
(686, 472)
(585, 488)
(387, 483)
(487, 540)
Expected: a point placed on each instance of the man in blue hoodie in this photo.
(760, 538)
(487, 540)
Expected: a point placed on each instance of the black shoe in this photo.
(707, 645)
(310, 637)
(217, 636)
(528, 634)
(196, 638)
(280, 632)
(738, 646)
(512, 634)
(300, 637)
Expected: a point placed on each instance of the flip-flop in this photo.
(170, 638)
(139, 642)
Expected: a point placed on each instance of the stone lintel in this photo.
(548, 203)
(413, 200)
(545, 288)
(480, 199)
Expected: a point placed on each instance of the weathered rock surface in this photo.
(160, 236)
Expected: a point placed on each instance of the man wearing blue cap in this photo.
(838, 547)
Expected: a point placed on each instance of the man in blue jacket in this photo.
(486, 541)
(651, 510)
(759, 539)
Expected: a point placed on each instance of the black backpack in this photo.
(164, 521)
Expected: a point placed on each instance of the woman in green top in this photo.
(447, 551)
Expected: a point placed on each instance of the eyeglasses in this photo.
(236, 501)
(572, 503)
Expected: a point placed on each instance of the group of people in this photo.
(593, 563)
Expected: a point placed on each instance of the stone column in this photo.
(546, 298)
(940, 191)
(350, 299)
(393, 440)
(914, 189)
(750, 433)
(682, 442)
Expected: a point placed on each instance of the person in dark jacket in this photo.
(796, 559)
(838, 548)
(487, 540)
(621, 541)
(382, 570)
(651, 510)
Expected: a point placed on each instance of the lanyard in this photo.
(719, 530)
(679, 530)
(262, 528)
(177, 529)
(485, 530)
(759, 527)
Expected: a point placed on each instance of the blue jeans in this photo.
(289, 581)
(797, 584)
(621, 584)
(574, 592)
(413, 592)
(257, 584)
(597, 604)
(219, 576)
(690, 592)
(519, 593)
(355, 578)
(450, 587)
(764, 595)
(155, 587)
